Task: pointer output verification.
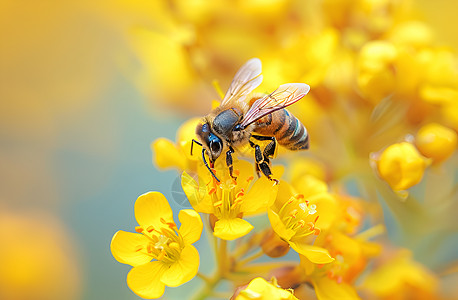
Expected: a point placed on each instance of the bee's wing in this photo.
(285, 95)
(247, 79)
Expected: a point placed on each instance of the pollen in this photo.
(150, 228)
(301, 223)
(212, 191)
(139, 229)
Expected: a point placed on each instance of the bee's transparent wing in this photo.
(285, 95)
(247, 79)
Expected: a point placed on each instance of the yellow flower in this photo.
(167, 154)
(436, 141)
(376, 78)
(159, 253)
(37, 257)
(261, 289)
(294, 217)
(335, 280)
(229, 200)
(401, 166)
(402, 278)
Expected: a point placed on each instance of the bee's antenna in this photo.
(208, 167)
(192, 144)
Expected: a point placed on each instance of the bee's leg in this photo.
(269, 150)
(229, 161)
(258, 171)
(261, 163)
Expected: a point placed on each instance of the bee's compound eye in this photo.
(215, 147)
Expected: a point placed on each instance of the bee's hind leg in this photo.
(229, 162)
(262, 162)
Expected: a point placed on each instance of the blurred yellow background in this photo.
(74, 139)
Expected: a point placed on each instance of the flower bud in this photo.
(272, 245)
(436, 141)
(401, 166)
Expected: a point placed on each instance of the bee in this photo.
(241, 119)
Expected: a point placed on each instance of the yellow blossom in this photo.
(261, 289)
(229, 200)
(294, 217)
(401, 165)
(401, 277)
(37, 257)
(167, 154)
(160, 253)
(335, 280)
(436, 141)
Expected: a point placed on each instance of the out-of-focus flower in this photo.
(294, 217)
(401, 166)
(229, 200)
(37, 258)
(160, 253)
(336, 279)
(400, 278)
(436, 141)
(261, 289)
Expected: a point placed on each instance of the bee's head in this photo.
(211, 142)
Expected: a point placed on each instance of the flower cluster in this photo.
(362, 210)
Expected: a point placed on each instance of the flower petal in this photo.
(191, 225)
(261, 195)
(124, 248)
(326, 206)
(230, 229)
(186, 133)
(315, 254)
(278, 226)
(150, 208)
(166, 154)
(145, 280)
(184, 269)
(328, 289)
(197, 194)
(309, 185)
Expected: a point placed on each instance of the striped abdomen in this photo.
(286, 128)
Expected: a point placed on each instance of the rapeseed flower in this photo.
(380, 88)
(293, 217)
(160, 253)
(167, 154)
(229, 200)
(401, 277)
(259, 288)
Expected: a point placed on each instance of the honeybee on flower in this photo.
(240, 118)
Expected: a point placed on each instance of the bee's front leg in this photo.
(229, 161)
